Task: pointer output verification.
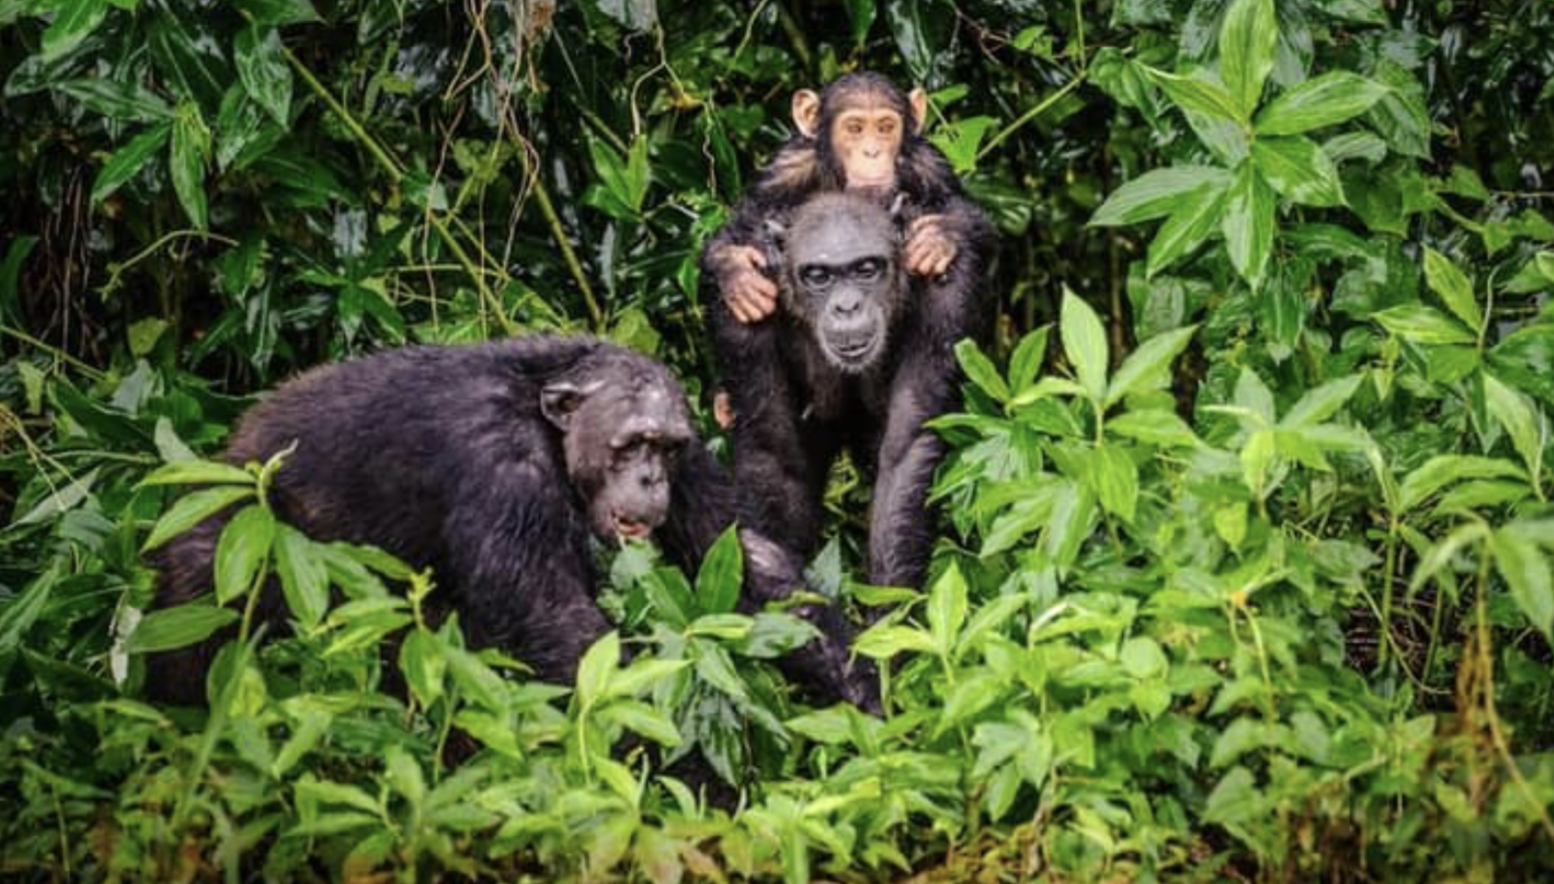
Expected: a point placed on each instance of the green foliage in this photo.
(1245, 569)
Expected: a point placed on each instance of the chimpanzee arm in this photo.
(518, 568)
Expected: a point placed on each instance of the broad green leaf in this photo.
(1248, 224)
(1156, 194)
(1526, 572)
(722, 574)
(714, 666)
(304, 581)
(640, 718)
(262, 67)
(62, 499)
(597, 668)
(1073, 518)
(1025, 362)
(1444, 469)
(980, 370)
(1116, 481)
(190, 153)
(242, 550)
(1142, 657)
(1147, 367)
(1257, 459)
(1402, 116)
(197, 472)
(1154, 426)
(74, 22)
(171, 628)
(1084, 342)
(1197, 96)
(1325, 100)
(128, 102)
(884, 640)
(475, 679)
(1247, 40)
(1197, 216)
(1521, 421)
(1299, 170)
(279, 12)
(424, 666)
(192, 509)
(947, 608)
(642, 675)
(403, 773)
(1320, 404)
(1423, 325)
(969, 697)
(1453, 287)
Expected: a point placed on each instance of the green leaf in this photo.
(1257, 459)
(969, 697)
(192, 509)
(1444, 469)
(1326, 100)
(885, 640)
(190, 152)
(1299, 170)
(722, 574)
(197, 472)
(1147, 368)
(304, 580)
(279, 12)
(1322, 403)
(1423, 325)
(242, 550)
(1197, 96)
(1156, 194)
(980, 370)
(1197, 216)
(1025, 362)
(1521, 421)
(74, 22)
(639, 717)
(1247, 40)
(1084, 342)
(1154, 426)
(1526, 572)
(1142, 657)
(1453, 287)
(475, 679)
(128, 102)
(947, 608)
(171, 628)
(262, 67)
(1248, 224)
(1116, 481)
(424, 666)
(596, 669)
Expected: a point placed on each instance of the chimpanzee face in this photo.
(846, 280)
(622, 432)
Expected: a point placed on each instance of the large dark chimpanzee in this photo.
(859, 134)
(495, 464)
(860, 354)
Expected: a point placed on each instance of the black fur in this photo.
(442, 456)
(794, 411)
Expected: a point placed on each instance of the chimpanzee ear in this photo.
(776, 229)
(918, 99)
(806, 112)
(559, 401)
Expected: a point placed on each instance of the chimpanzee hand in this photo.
(750, 294)
(929, 251)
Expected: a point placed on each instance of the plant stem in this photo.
(559, 234)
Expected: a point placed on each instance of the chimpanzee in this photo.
(494, 464)
(860, 134)
(860, 353)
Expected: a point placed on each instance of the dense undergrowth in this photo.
(1245, 569)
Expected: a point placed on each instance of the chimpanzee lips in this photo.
(629, 528)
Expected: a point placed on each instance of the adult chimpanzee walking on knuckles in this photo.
(860, 133)
(495, 464)
(860, 353)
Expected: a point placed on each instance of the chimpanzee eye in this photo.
(854, 128)
(868, 269)
(815, 276)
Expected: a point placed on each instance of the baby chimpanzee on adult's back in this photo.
(495, 464)
(860, 353)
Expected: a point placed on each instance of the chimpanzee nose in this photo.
(845, 304)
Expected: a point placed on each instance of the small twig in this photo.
(559, 234)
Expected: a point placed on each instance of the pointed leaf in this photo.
(197, 472)
(1196, 218)
(597, 669)
(1526, 572)
(1454, 288)
(262, 67)
(1321, 101)
(1247, 40)
(947, 608)
(190, 151)
(1423, 325)
(1147, 368)
(242, 550)
(1084, 342)
(128, 160)
(1154, 426)
(1116, 481)
(722, 574)
(192, 509)
(304, 580)
(1299, 170)
(1248, 224)
(170, 628)
(979, 369)
(1155, 194)
(1320, 404)
(1520, 419)
(1197, 96)
(74, 22)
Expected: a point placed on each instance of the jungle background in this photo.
(1245, 564)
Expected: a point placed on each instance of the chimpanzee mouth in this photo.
(629, 528)
(853, 353)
